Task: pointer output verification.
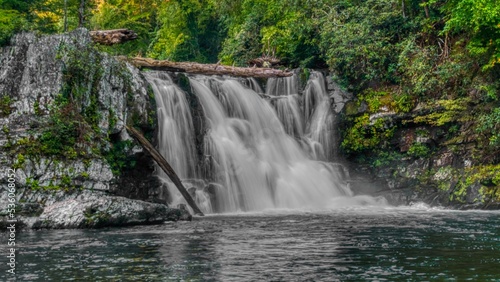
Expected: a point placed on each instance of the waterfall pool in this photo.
(348, 244)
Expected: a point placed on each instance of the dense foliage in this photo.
(362, 40)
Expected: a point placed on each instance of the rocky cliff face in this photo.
(63, 109)
(425, 152)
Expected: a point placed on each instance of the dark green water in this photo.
(383, 244)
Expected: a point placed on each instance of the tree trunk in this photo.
(165, 166)
(208, 69)
(113, 36)
(65, 15)
(426, 9)
(403, 8)
(81, 13)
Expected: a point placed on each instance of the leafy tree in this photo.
(187, 30)
(361, 41)
(11, 21)
(139, 16)
(285, 29)
(46, 16)
(480, 19)
(14, 16)
(243, 41)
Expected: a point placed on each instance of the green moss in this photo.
(402, 103)
(365, 135)
(489, 126)
(117, 157)
(52, 187)
(36, 107)
(387, 99)
(19, 162)
(419, 150)
(66, 181)
(459, 193)
(5, 130)
(32, 184)
(352, 108)
(488, 176)
(112, 119)
(443, 185)
(422, 132)
(444, 112)
(385, 158)
(5, 106)
(95, 218)
(375, 99)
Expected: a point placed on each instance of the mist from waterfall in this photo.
(260, 150)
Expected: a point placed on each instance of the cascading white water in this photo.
(254, 157)
(308, 117)
(176, 131)
(320, 119)
(257, 163)
(286, 100)
(254, 85)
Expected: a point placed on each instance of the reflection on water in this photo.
(392, 244)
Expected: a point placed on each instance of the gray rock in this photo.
(82, 192)
(339, 96)
(91, 210)
(94, 211)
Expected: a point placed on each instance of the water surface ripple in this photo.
(382, 244)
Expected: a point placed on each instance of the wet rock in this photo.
(473, 196)
(92, 211)
(32, 76)
(29, 209)
(339, 96)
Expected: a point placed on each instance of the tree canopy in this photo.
(360, 39)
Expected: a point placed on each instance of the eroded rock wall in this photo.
(63, 110)
(424, 153)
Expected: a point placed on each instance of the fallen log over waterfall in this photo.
(165, 166)
(208, 69)
(113, 36)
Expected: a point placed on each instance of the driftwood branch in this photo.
(113, 36)
(166, 168)
(208, 69)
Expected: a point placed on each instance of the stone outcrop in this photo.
(420, 162)
(91, 210)
(46, 79)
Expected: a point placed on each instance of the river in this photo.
(348, 244)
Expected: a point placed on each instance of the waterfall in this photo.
(260, 150)
(320, 119)
(309, 117)
(176, 131)
(286, 100)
